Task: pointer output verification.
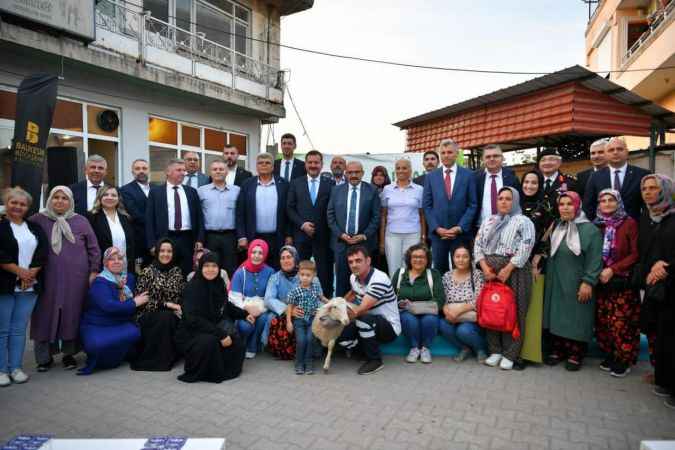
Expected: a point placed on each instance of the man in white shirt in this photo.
(84, 192)
(235, 174)
(135, 198)
(289, 168)
(490, 180)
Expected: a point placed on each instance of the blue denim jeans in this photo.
(463, 335)
(420, 330)
(304, 344)
(251, 332)
(15, 311)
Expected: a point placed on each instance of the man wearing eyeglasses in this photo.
(193, 177)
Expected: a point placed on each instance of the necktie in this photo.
(617, 181)
(351, 223)
(448, 182)
(312, 191)
(287, 171)
(178, 216)
(548, 185)
(493, 194)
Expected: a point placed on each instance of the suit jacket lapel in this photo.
(628, 178)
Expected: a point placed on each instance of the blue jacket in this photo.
(460, 210)
(246, 215)
(369, 214)
(103, 306)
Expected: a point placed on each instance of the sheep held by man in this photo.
(329, 321)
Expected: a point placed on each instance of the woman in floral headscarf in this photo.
(73, 261)
(656, 246)
(572, 272)
(617, 323)
(247, 291)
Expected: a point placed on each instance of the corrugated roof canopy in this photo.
(573, 102)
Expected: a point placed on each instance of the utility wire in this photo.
(397, 63)
(297, 113)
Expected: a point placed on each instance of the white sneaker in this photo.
(19, 376)
(506, 364)
(425, 355)
(250, 355)
(4, 380)
(413, 355)
(493, 359)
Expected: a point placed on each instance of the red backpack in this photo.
(497, 309)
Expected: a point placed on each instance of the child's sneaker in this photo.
(309, 371)
(299, 371)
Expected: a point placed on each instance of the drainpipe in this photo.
(269, 27)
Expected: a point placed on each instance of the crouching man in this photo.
(375, 319)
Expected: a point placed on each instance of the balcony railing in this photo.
(657, 22)
(150, 32)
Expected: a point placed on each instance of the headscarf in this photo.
(496, 223)
(248, 264)
(530, 201)
(174, 258)
(120, 280)
(296, 260)
(61, 226)
(568, 230)
(207, 297)
(665, 204)
(611, 223)
(381, 170)
(196, 258)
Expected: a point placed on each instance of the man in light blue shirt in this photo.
(219, 205)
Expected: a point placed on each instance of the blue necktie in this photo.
(351, 223)
(312, 191)
(287, 170)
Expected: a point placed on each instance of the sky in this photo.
(349, 106)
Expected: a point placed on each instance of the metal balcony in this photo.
(658, 21)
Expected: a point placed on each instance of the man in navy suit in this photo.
(490, 180)
(135, 199)
(289, 168)
(174, 211)
(307, 211)
(598, 161)
(193, 176)
(618, 175)
(261, 210)
(353, 218)
(84, 192)
(450, 205)
(235, 175)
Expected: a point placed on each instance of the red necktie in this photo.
(178, 216)
(448, 183)
(493, 194)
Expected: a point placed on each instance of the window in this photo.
(158, 8)
(635, 30)
(211, 21)
(166, 144)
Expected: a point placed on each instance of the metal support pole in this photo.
(653, 135)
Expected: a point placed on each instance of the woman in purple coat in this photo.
(73, 262)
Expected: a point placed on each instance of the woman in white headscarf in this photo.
(73, 261)
(572, 271)
(503, 246)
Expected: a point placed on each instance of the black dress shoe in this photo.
(572, 366)
(69, 362)
(519, 364)
(46, 366)
(607, 364)
(552, 360)
(371, 366)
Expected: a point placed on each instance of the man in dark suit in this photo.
(287, 167)
(261, 210)
(193, 176)
(598, 160)
(555, 182)
(174, 211)
(618, 175)
(135, 199)
(489, 181)
(236, 176)
(84, 192)
(307, 211)
(450, 205)
(430, 162)
(353, 218)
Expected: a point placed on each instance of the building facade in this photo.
(177, 75)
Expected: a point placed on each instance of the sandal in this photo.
(572, 365)
(552, 359)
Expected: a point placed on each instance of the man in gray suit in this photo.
(353, 218)
(193, 177)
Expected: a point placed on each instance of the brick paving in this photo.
(445, 405)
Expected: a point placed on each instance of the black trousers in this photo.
(274, 247)
(224, 244)
(367, 332)
(185, 243)
(323, 258)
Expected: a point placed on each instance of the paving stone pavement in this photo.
(444, 405)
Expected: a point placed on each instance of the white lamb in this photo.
(329, 321)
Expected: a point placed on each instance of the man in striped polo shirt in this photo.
(376, 320)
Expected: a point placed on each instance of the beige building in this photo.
(630, 36)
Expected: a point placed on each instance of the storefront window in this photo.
(163, 131)
(159, 158)
(215, 140)
(68, 116)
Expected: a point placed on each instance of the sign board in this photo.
(75, 17)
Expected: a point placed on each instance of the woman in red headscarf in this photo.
(247, 291)
(572, 271)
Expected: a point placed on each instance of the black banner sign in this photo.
(35, 103)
